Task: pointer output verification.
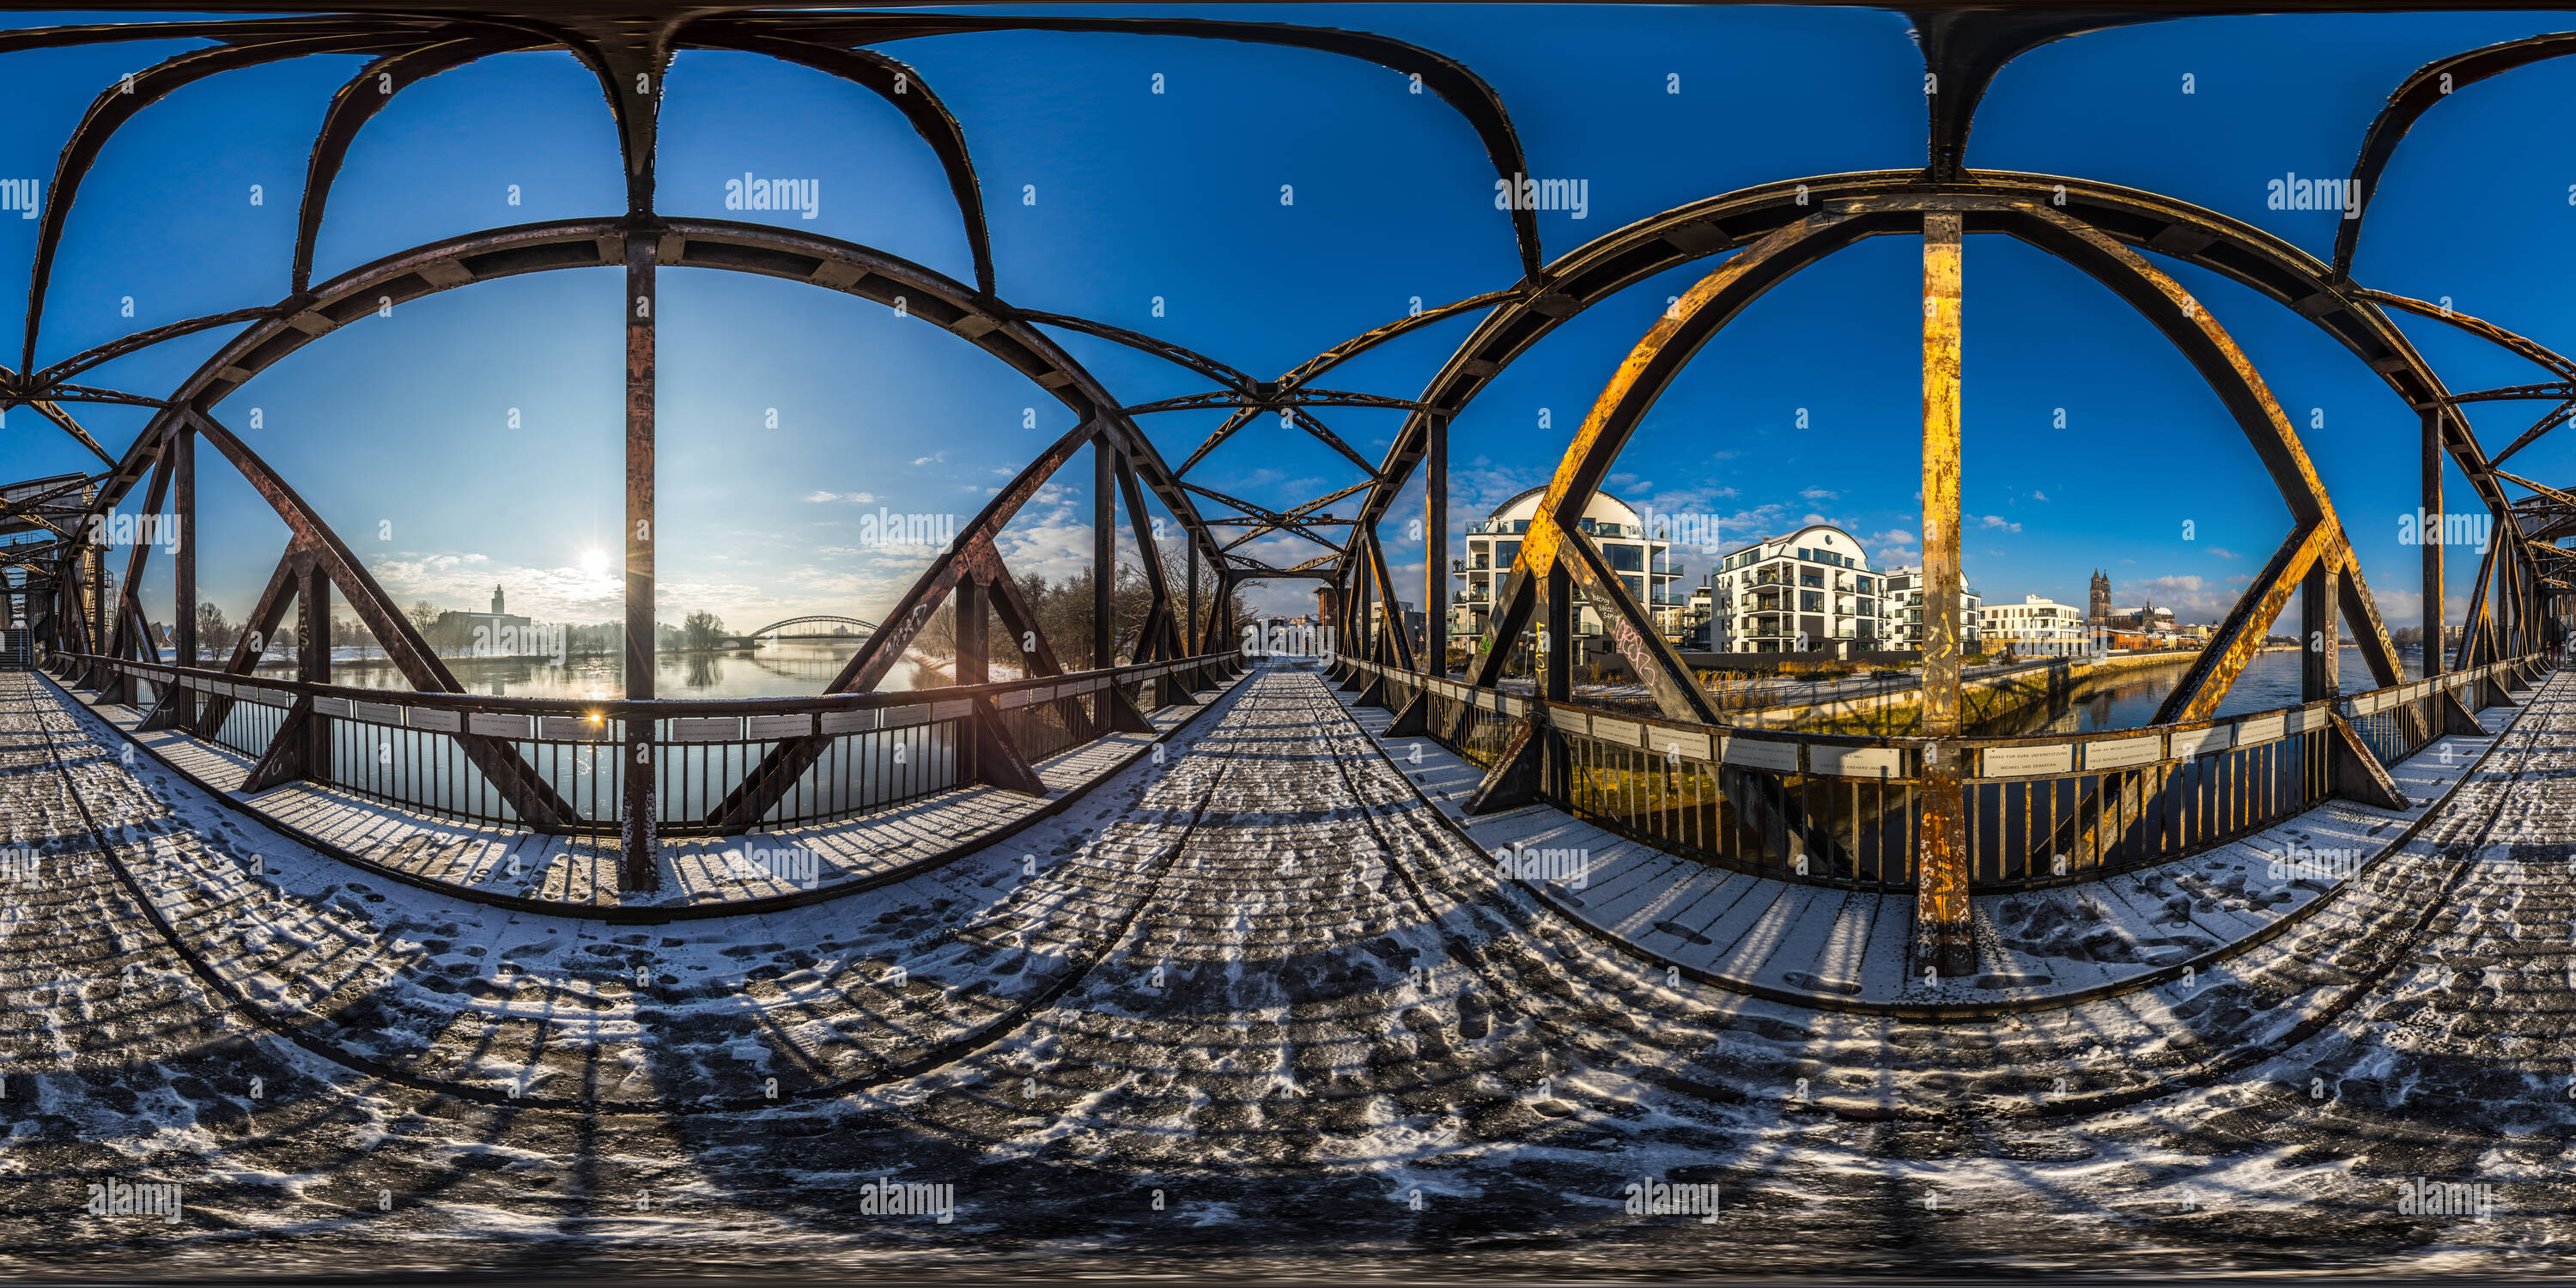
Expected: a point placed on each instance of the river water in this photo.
(787, 669)
(2270, 682)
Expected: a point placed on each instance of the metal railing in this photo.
(859, 752)
(1846, 810)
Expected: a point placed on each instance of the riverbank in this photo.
(1982, 698)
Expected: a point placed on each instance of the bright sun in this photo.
(595, 562)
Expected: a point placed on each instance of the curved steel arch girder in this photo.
(2416, 95)
(1453, 82)
(120, 102)
(413, 274)
(1677, 336)
(899, 85)
(1731, 221)
(357, 103)
(600, 243)
(1964, 49)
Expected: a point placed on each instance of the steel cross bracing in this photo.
(1766, 233)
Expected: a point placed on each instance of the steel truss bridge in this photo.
(1754, 239)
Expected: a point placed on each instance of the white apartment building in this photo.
(1812, 590)
(1643, 562)
(2037, 627)
(1903, 606)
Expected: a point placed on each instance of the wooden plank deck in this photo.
(1823, 945)
(581, 872)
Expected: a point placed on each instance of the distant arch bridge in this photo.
(860, 628)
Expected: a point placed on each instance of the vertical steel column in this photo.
(2320, 657)
(313, 660)
(2432, 542)
(1104, 553)
(183, 564)
(974, 631)
(638, 837)
(1942, 940)
(1435, 548)
(1194, 638)
(96, 576)
(1558, 684)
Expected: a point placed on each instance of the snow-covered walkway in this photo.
(1252, 1007)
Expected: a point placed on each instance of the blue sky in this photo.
(1105, 196)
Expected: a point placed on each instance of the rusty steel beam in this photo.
(53, 411)
(2555, 389)
(1391, 624)
(53, 376)
(356, 103)
(741, 247)
(1282, 521)
(1143, 343)
(120, 102)
(2544, 491)
(1158, 615)
(901, 87)
(1641, 378)
(2434, 611)
(1435, 553)
(1274, 400)
(2239, 635)
(1655, 245)
(2197, 335)
(2556, 417)
(1447, 78)
(2529, 349)
(639, 821)
(535, 800)
(2416, 95)
(1943, 944)
(129, 597)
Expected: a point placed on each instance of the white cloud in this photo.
(935, 458)
(1998, 521)
(854, 498)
